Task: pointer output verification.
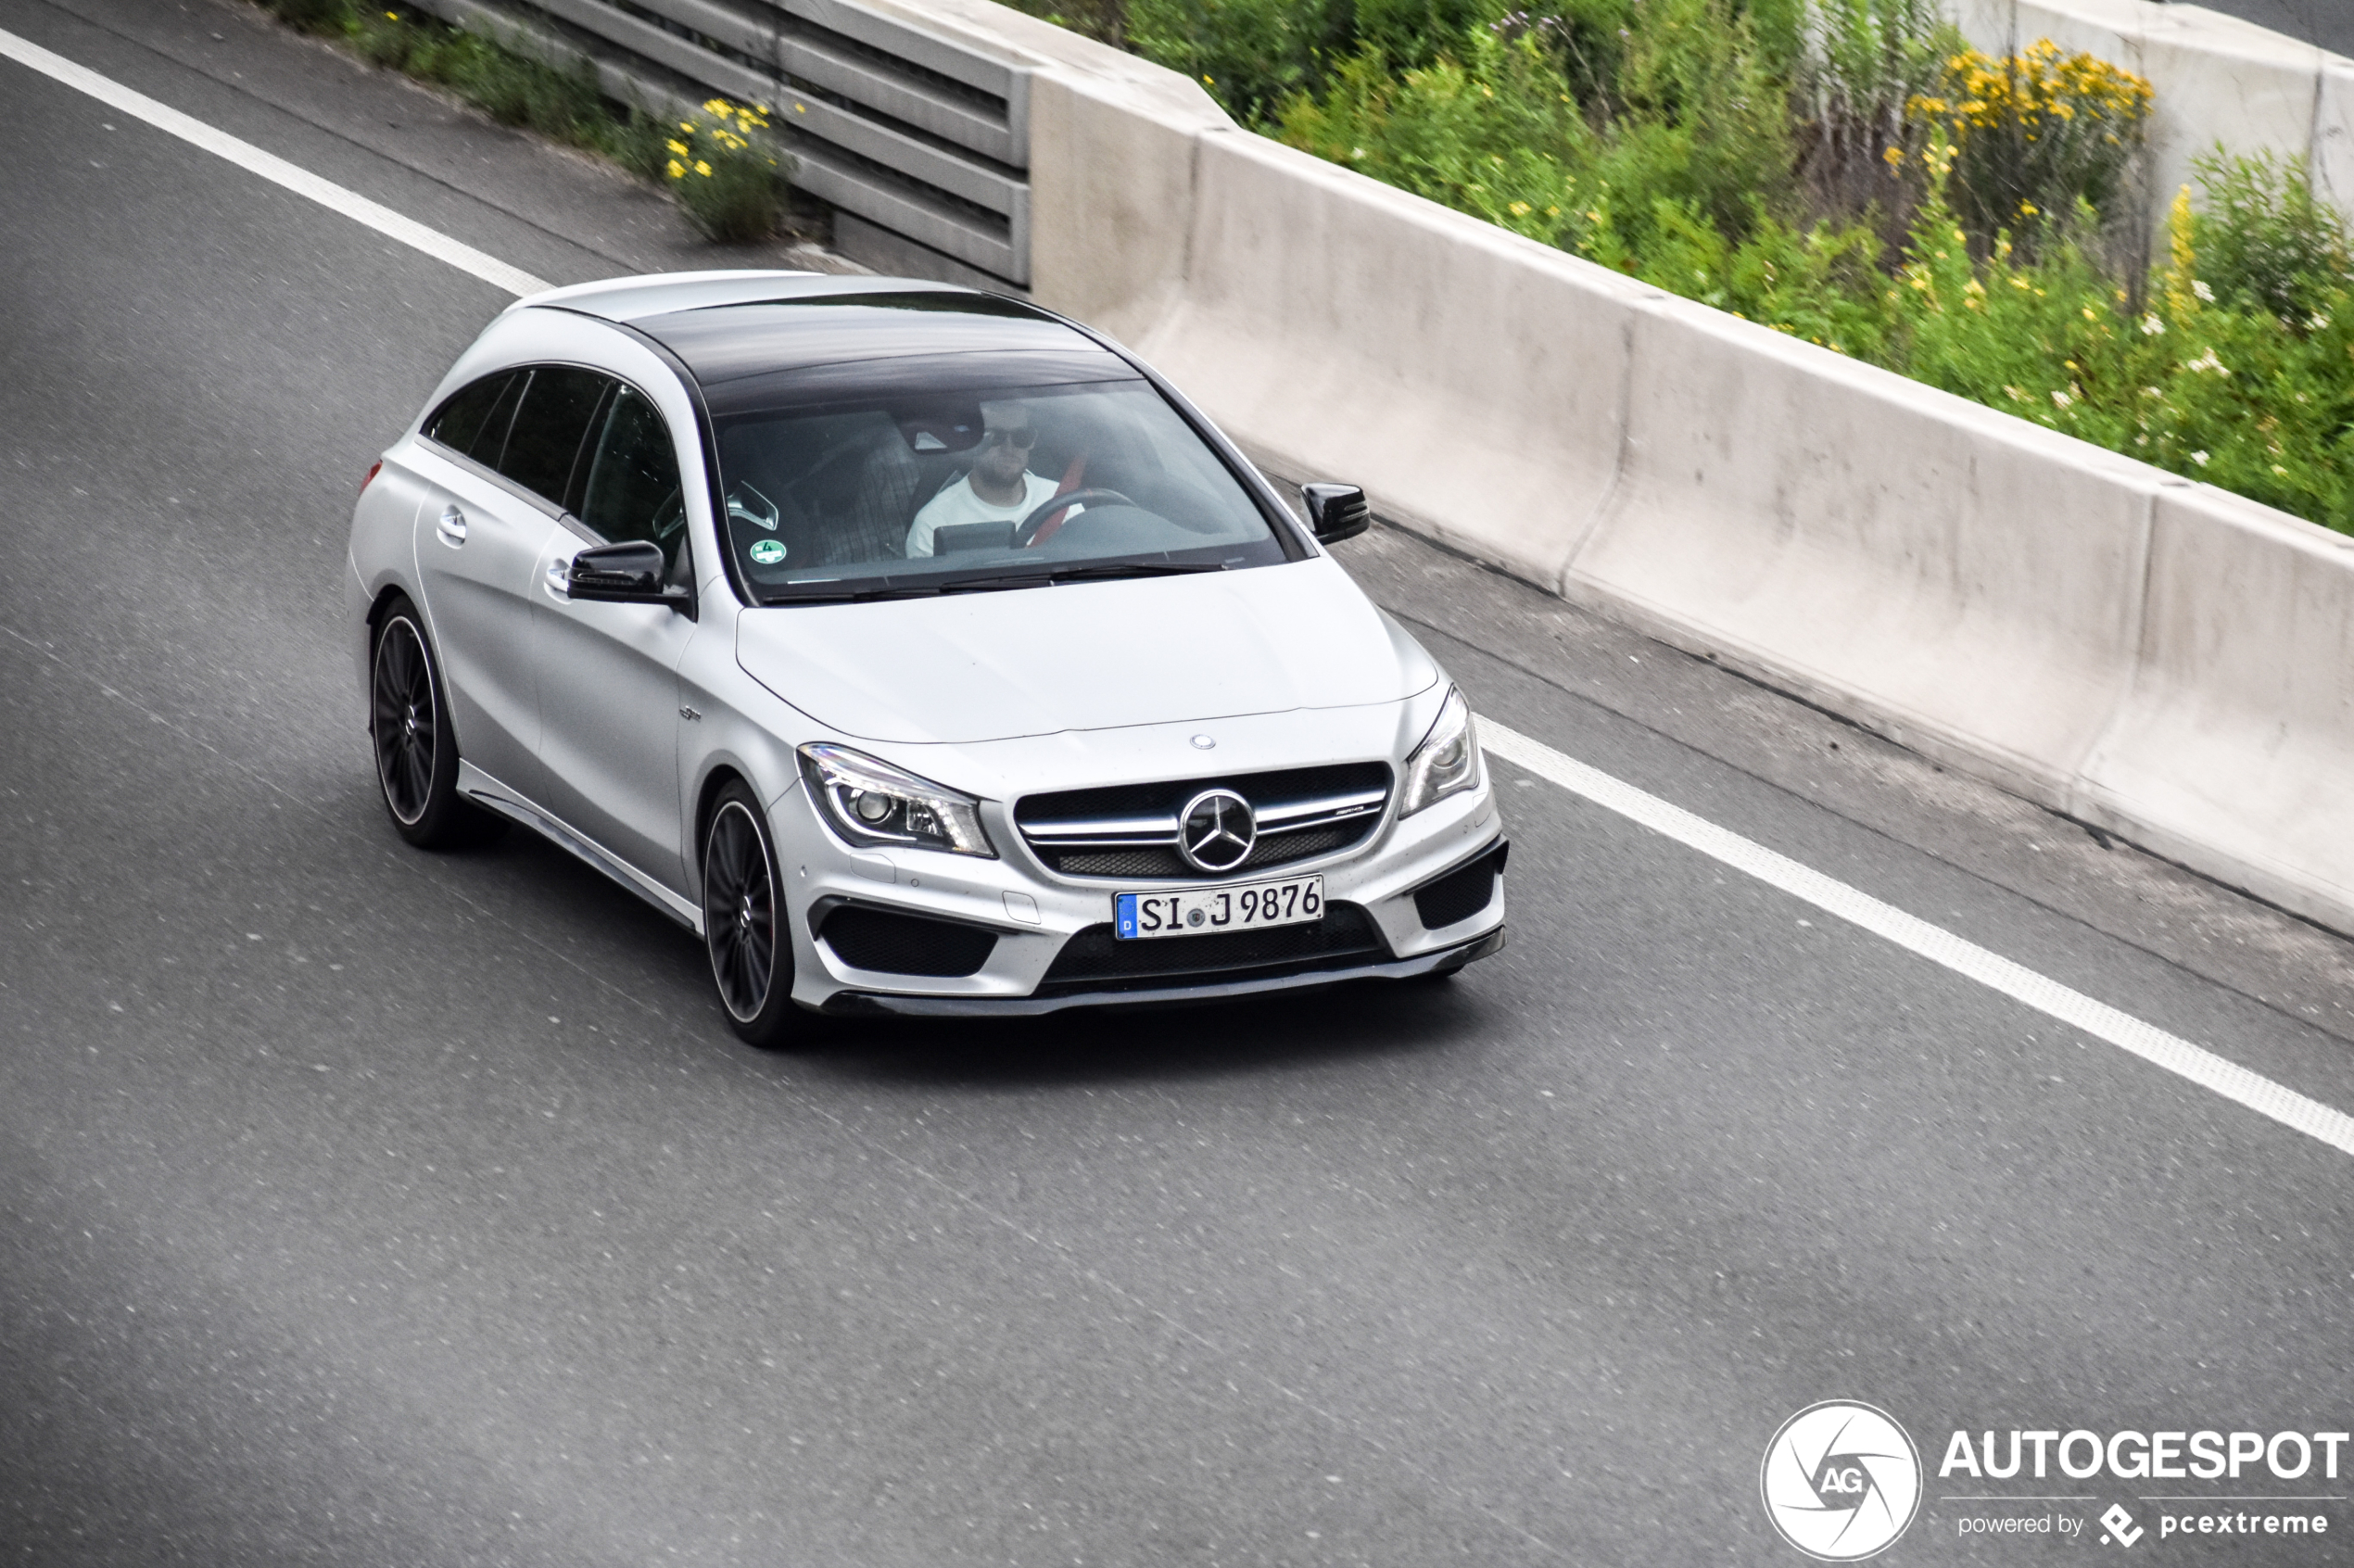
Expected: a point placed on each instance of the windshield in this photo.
(906, 491)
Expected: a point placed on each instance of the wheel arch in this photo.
(719, 776)
(381, 604)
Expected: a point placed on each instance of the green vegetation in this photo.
(728, 180)
(1851, 173)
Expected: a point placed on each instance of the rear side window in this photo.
(549, 425)
(474, 422)
(630, 488)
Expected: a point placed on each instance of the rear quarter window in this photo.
(475, 420)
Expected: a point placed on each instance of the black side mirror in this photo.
(1336, 511)
(627, 573)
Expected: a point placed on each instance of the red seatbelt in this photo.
(1072, 476)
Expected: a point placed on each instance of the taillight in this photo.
(373, 469)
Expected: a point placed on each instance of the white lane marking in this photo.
(1938, 946)
(271, 167)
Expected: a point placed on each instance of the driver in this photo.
(998, 488)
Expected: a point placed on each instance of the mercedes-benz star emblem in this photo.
(1217, 832)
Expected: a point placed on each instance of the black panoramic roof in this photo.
(725, 343)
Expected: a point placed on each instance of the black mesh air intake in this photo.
(1094, 959)
(905, 944)
(1461, 893)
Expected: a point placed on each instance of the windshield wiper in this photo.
(1096, 571)
(852, 590)
(994, 581)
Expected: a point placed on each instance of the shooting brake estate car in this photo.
(922, 651)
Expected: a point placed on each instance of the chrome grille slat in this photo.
(1130, 832)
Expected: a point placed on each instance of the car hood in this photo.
(1101, 655)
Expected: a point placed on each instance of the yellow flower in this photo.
(678, 148)
(677, 169)
(702, 169)
(1520, 209)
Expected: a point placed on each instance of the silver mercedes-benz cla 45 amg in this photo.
(919, 650)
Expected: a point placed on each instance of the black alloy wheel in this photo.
(744, 924)
(416, 750)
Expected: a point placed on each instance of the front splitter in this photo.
(871, 1004)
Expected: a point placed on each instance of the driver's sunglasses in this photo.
(1020, 439)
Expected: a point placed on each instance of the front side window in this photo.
(629, 486)
(908, 491)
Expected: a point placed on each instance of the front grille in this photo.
(1130, 830)
(1163, 864)
(1461, 893)
(1160, 864)
(905, 944)
(1094, 959)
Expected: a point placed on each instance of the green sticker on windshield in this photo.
(767, 553)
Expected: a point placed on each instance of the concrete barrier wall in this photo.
(2218, 79)
(1963, 580)
(2232, 749)
(2160, 658)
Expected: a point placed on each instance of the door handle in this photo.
(452, 527)
(560, 577)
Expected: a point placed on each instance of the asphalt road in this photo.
(2328, 24)
(363, 1206)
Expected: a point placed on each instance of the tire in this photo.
(416, 750)
(744, 925)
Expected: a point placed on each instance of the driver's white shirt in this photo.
(957, 503)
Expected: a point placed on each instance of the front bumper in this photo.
(1038, 922)
(1445, 961)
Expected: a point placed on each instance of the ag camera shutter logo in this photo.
(1842, 1481)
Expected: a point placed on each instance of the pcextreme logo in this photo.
(1842, 1481)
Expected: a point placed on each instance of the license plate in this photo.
(1199, 911)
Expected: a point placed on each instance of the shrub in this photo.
(1497, 138)
(728, 183)
(1857, 68)
(2036, 132)
(2268, 244)
(1251, 54)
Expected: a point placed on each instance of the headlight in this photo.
(1447, 763)
(874, 804)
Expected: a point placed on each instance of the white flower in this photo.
(2199, 457)
(2061, 399)
(2320, 322)
(2198, 286)
(2204, 362)
(2152, 327)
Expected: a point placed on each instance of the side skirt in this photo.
(487, 791)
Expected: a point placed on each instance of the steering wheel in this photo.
(1026, 531)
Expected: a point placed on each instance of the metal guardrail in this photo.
(911, 130)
